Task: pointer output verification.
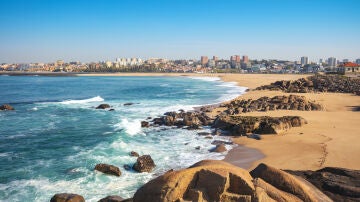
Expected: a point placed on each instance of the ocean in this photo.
(55, 137)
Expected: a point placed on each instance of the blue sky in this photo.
(94, 30)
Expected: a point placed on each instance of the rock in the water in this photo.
(203, 134)
(217, 142)
(197, 148)
(103, 106)
(113, 198)
(127, 167)
(66, 197)
(108, 169)
(145, 124)
(219, 148)
(144, 164)
(111, 109)
(134, 153)
(128, 104)
(6, 107)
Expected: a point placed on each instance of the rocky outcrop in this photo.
(6, 107)
(144, 164)
(134, 153)
(66, 197)
(103, 106)
(242, 125)
(108, 169)
(191, 120)
(317, 83)
(145, 124)
(339, 184)
(128, 104)
(113, 198)
(211, 180)
(292, 102)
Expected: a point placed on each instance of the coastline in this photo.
(329, 138)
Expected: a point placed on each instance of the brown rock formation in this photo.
(66, 197)
(242, 125)
(6, 107)
(134, 153)
(108, 169)
(103, 106)
(113, 198)
(219, 148)
(144, 164)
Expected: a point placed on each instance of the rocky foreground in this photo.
(212, 180)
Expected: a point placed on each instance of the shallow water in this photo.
(53, 140)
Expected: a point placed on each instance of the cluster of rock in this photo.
(143, 163)
(317, 83)
(219, 181)
(6, 107)
(339, 184)
(292, 102)
(68, 197)
(190, 120)
(242, 125)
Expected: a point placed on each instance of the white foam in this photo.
(131, 127)
(205, 78)
(94, 99)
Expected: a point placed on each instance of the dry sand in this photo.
(331, 137)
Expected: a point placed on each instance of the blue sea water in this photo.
(52, 141)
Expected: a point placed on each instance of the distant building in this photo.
(331, 62)
(345, 60)
(245, 59)
(108, 63)
(304, 60)
(358, 61)
(204, 60)
(59, 62)
(321, 61)
(215, 58)
(349, 67)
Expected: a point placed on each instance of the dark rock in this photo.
(112, 199)
(255, 136)
(127, 167)
(103, 106)
(203, 134)
(340, 184)
(108, 169)
(217, 142)
(6, 107)
(208, 137)
(145, 124)
(144, 164)
(66, 197)
(111, 109)
(128, 104)
(197, 148)
(133, 153)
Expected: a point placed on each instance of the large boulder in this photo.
(212, 180)
(67, 197)
(108, 169)
(144, 164)
(103, 106)
(285, 182)
(339, 184)
(204, 181)
(6, 107)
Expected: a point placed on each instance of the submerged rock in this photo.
(103, 106)
(128, 104)
(108, 169)
(134, 153)
(145, 124)
(67, 197)
(6, 107)
(219, 148)
(144, 164)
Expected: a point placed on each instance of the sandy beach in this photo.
(329, 139)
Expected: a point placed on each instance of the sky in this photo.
(99, 30)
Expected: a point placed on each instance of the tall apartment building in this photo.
(331, 61)
(245, 59)
(204, 60)
(304, 60)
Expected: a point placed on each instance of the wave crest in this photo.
(94, 99)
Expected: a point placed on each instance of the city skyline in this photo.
(45, 31)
